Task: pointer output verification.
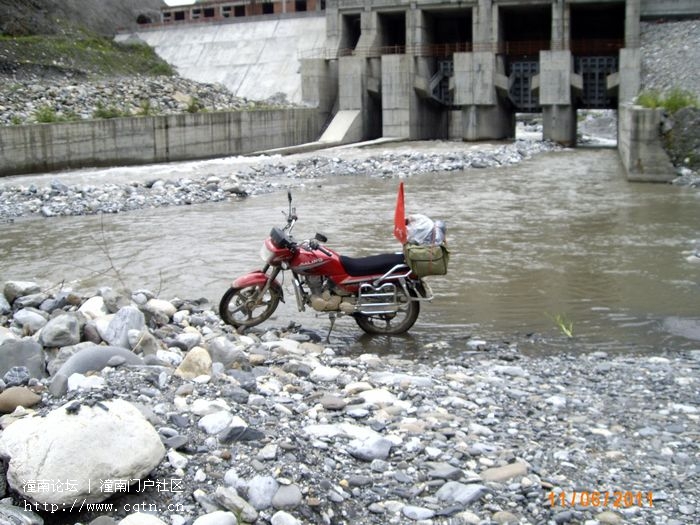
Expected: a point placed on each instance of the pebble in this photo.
(386, 440)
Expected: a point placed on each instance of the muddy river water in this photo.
(560, 235)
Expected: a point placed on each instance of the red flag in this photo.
(400, 217)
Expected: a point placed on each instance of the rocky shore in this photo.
(23, 96)
(276, 426)
(53, 197)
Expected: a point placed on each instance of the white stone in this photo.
(324, 374)
(109, 440)
(216, 422)
(81, 382)
(176, 459)
(140, 518)
(218, 517)
(94, 308)
(203, 407)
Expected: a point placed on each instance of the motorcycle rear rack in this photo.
(380, 301)
(401, 272)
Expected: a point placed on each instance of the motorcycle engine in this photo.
(323, 299)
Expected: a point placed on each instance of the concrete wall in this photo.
(639, 145)
(670, 8)
(253, 59)
(144, 140)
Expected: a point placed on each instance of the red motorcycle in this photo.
(380, 291)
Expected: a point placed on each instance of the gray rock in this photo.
(146, 343)
(17, 375)
(23, 352)
(226, 352)
(14, 289)
(455, 493)
(261, 490)
(93, 358)
(445, 471)
(5, 307)
(228, 498)
(30, 319)
(63, 330)
(370, 448)
(10, 515)
(417, 513)
(34, 300)
(287, 497)
(127, 318)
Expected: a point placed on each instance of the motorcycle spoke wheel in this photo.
(396, 323)
(248, 306)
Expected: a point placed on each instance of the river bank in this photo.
(279, 427)
(115, 190)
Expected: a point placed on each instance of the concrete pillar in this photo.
(639, 144)
(632, 30)
(555, 82)
(561, 20)
(351, 74)
(397, 93)
(485, 113)
(629, 76)
(319, 84)
(482, 26)
(369, 31)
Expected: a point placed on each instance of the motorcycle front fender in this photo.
(257, 278)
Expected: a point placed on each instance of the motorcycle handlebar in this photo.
(314, 245)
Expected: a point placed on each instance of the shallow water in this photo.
(561, 235)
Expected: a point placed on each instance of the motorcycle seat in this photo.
(372, 265)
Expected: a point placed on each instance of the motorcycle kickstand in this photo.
(332, 317)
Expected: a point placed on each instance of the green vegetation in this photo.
(48, 115)
(564, 324)
(84, 53)
(109, 112)
(194, 106)
(672, 101)
(146, 109)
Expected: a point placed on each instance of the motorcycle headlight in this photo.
(266, 254)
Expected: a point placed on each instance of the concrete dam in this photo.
(428, 69)
(255, 59)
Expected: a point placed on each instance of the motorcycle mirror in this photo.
(289, 197)
(320, 237)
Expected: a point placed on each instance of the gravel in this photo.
(463, 436)
(671, 56)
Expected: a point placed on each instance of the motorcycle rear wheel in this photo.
(247, 306)
(396, 323)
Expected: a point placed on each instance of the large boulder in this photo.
(81, 446)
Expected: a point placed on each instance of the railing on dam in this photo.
(508, 48)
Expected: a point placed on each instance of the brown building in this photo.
(226, 9)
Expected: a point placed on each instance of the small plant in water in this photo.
(564, 324)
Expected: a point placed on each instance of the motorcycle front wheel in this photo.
(394, 323)
(248, 306)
